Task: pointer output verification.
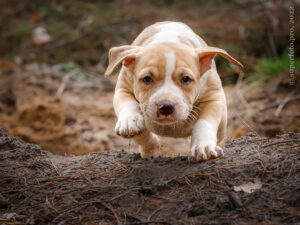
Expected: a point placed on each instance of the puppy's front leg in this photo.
(204, 135)
(131, 122)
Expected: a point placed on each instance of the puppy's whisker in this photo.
(190, 118)
(195, 110)
(194, 114)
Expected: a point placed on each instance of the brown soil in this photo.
(115, 187)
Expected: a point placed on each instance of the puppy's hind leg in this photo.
(148, 143)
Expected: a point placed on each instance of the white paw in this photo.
(203, 152)
(130, 126)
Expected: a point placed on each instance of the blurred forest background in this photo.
(53, 55)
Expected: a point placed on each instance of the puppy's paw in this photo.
(149, 150)
(147, 153)
(130, 126)
(203, 152)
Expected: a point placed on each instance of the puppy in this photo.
(169, 86)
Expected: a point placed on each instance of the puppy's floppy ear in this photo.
(117, 55)
(207, 54)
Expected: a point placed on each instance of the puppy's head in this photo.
(165, 76)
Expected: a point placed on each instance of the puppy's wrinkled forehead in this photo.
(165, 58)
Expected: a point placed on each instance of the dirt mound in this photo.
(43, 121)
(115, 187)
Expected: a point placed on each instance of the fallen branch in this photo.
(276, 104)
(280, 142)
(284, 102)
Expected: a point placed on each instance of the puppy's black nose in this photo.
(165, 107)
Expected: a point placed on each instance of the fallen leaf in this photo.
(249, 187)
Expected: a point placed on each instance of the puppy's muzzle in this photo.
(165, 108)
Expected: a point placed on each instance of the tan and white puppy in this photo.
(169, 86)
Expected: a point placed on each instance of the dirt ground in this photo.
(114, 187)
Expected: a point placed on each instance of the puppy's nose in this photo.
(165, 107)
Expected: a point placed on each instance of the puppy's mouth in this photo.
(165, 120)
(162, 120)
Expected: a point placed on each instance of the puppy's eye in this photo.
(147, 79)
(185, 79)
